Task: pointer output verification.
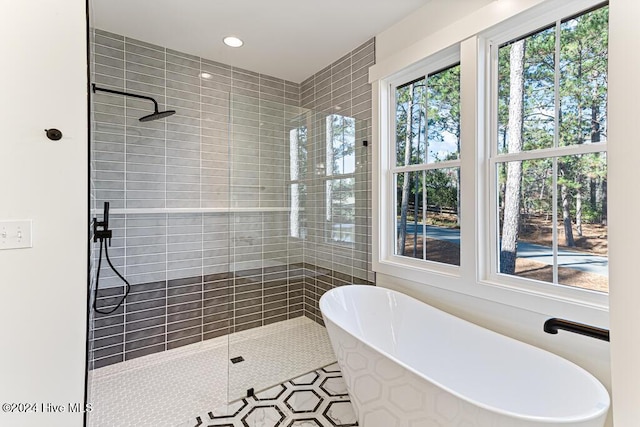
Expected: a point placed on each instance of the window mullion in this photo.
(545, 153)
(492, 211)
(554, 218)
(425, 201)
(427, 166)
(424, 215)
(426, 120)
(556, 144)
(556, 88)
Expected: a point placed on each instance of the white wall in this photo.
(614, 364)
(624, 205)
(429, 19)
(437, 25)
(43, 289)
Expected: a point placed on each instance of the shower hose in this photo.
(95, 291)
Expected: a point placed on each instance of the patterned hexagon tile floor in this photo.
(316, 399)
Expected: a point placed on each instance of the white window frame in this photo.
(444, 61)
(478, 228)
(415, 267)
(491, 275)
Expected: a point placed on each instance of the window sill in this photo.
(559, 301)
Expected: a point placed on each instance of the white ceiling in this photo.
(289, 39)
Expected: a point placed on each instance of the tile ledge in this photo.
(135, 211)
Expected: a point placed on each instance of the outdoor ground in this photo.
(536, 230)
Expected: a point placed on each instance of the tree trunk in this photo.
(603, 186)
(511, 218)
(566, 216)
(595, 124)
(579, 213)
(404, 205)
(595, 137)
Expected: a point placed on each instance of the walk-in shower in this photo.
(230, 218)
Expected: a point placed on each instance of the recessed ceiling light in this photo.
(233, 41)
(205, 75)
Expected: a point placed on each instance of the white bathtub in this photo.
(407, 364)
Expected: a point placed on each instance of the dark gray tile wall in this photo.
(162, 315)
(317, 281)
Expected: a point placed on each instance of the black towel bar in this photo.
(552, 325)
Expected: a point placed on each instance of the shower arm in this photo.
(133, 95)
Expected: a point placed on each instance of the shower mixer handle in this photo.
(104, 233)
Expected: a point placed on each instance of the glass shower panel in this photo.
(267, 190)
(299, 210)
(337, 243)
(163, 357)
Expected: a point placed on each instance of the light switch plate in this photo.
(15, 234)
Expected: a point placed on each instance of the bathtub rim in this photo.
(523, 417)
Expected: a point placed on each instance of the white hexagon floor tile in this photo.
(171, 387)
(316, 399)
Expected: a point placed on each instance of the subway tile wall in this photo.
(163, 315)
(186, 286)
(183, 161)
(197, 275)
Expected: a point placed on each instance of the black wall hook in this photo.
(53, 134)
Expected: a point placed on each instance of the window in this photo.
(426, 175)
(549, 154)
(340, 168)
(491, 169)
(297, 174)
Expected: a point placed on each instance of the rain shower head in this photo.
(156, 115)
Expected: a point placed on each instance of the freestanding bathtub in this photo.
(407, 364)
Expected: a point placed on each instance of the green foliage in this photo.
(582, 91)
(428, 116)
(441, 187)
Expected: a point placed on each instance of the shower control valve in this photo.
(101, 234)
(101, 228)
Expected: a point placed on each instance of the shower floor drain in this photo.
(238, 359)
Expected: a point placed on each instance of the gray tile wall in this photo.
(200, 275)
(183, 161)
